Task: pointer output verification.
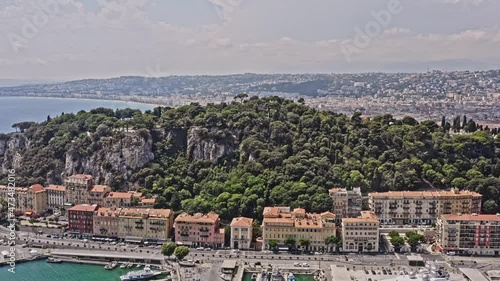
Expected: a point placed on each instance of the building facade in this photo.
(361, 234)
(56, 196)
(81, 219)
(469, 234)
(152, 225)
(97, 194)
(241, 233)
(422, 207)
(199, 230)
(280, 223)
(118, 200)
(77, 189)
(30, 200)
(107, 222)
(346, 203)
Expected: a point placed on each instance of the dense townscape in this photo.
(257, 175)
(424, 96)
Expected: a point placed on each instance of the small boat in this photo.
(129, 265)
(123, 265)
(254, 276)
(54, 260)
(108, 266)
(113, 264)
(188, 263)
(138, 265)
(290, 277)
(145, 274)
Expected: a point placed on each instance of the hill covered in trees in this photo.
(237, 158)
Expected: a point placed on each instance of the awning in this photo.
(133, 239)
(28, 213)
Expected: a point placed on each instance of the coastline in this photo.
(86, 99)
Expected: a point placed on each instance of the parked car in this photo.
(200, 248)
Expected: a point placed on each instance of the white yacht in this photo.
(145, 274)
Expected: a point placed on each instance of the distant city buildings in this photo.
(280, 223)
(422, 207)
(77, 189)
(469, 234)
(31, 200)
(361, 234)
(80, 219)
(56, 196)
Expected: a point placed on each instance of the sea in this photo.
(41, 270)
(19, 109)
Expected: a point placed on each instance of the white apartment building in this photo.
(346, 203)
(469, 234)
(56, 195)
(422, 207)
(241, 233)
(361, 234)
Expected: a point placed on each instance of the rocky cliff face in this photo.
(11, 151)
(203, 143)
(115, 158)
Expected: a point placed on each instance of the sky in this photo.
(76, 39)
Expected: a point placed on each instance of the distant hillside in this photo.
(237, 158)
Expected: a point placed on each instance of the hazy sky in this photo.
(70, 39)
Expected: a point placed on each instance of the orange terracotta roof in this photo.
(366, 216)
(56, 187)
(37, 188)
(334, 190)
(242, 222)
(470, 217)
(100, 188)
(198, 217)
(84, 208)
(271, 212)
(136, 194)
(101, 212)
(279, 220)
(148, 200)
(425, 194)
(299, 211)
(119, 195)
(151, 213)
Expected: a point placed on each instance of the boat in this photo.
(54, 260)
(290, 277)
(129, 265)
(123, 265)
(254, 276)
(144, 274)
(138, 265)
(276, 275)
(108, 266)
(188, 263)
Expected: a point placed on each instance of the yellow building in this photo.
(107, 222)
(422, 207)
(280, 223)
(97, 194)
(77, 189)
(31, 199)
(361, 234)
(137, 224)
(118, 199)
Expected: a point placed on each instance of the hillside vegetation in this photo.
(236, 158)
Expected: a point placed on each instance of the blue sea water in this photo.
(19, 109)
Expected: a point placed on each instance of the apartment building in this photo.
(118, 199)
(97, 194)
(56, 196)
(77, 189)
(361, 234)
(346, 203)
(151, 225)
(199, 230)
(469, 234)
(30, 200)
(81, 219)
(241, 233)
(107, 222)
(280, 223)
(422, 207)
